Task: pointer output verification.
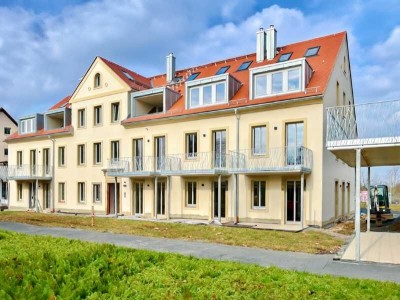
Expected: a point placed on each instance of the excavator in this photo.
(380, 210)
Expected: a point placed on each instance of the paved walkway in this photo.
(319, 264)
(381, 247)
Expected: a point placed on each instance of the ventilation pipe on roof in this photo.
(271, 42)
(261, 46)
(170, 67)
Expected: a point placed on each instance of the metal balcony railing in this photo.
(4, 173)
(363, 124)
(198, 162)
(134, 164)
(273, 159)
(29, 171)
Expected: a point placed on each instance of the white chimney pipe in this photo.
(261, 39)
(271, 42)
(170, 67)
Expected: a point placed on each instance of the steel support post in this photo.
(357, 216)
(219, 198)
(115, 197)
(155, 196)
(369, 201)
(302, 200)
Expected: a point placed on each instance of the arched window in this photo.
(97, 80)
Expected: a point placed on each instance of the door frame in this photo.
(224, 188)
(294, 202)
(108, 198)
(163, 183)
(134, 213)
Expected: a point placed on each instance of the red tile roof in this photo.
(139, 82)
(322, 64)
(63, 103)
(42, 132)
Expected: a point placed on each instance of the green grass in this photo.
(34, 267)
(307, 241)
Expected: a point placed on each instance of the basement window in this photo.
(244, 66)
(193, 76)
(285, 57)
(222, 70)
(312, 51)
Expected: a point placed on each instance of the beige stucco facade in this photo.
(319, 182)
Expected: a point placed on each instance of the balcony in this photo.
(29, 172)
(200, 163)
(138, 166)
(373, 127)
(275, 160)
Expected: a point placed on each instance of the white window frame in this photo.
(263, 136)
(61, 192)
(115, 151)
(81, 192)
(188, 154)
(260, 195)
(81, 155)
(98, 115)
(96, 189)
(191, 194)
(201, 88)
(113, 106)
(27, 126)
(20, 192)
(81, 118)
(19, 159)
(61, 156)
(97, 152)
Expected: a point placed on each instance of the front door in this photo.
(32, 194)
(138, 198)
(224, 188)
(46, 195)
(46, 162)
(138, 154)
(111, 198)
(293, 201)
(219, 148)
(161, 198)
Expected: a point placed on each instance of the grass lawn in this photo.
(307, 241)
(34, 267)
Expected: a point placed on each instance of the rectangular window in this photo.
(20, 195)
(138, 154)
(277, 82)
(260, 85)
(7, 130)
(220, 92)
(81, 192)
(81, 118)
(115, 150)
(344, 98)
(259, 194)
(81, 154)
(139, 198)
(191, 145)
(97, 115)
(207, 94)
(6, 151)
(97, 153)
(61, 156)
(61, 192)
(259, 140)
(27, 126)
(19, 158)
(96, 193)
(294, 79)
(194, 97)
(191, 193)
(115, 112)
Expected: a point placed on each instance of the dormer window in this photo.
(97, 80)
(286, 77)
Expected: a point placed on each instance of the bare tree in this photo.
(393, 178)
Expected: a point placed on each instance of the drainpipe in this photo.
(236, 175)
(36, 196)
(219, 199)
(115, 197)
(155, 196)
(53, 180)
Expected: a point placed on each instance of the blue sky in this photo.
(47, 45)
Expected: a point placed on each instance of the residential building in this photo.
(7, 127)
(240, 139)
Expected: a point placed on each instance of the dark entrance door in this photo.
(224, 188)
(293, 205)
(111, 199)
(46, 195)
(32, 194)
(161, 198)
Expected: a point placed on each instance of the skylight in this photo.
(193, 76)
(312, 51)
(127, 75)
(244, 66)
(285, 57)
(222, 70)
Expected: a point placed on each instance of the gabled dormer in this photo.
(30, 124)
